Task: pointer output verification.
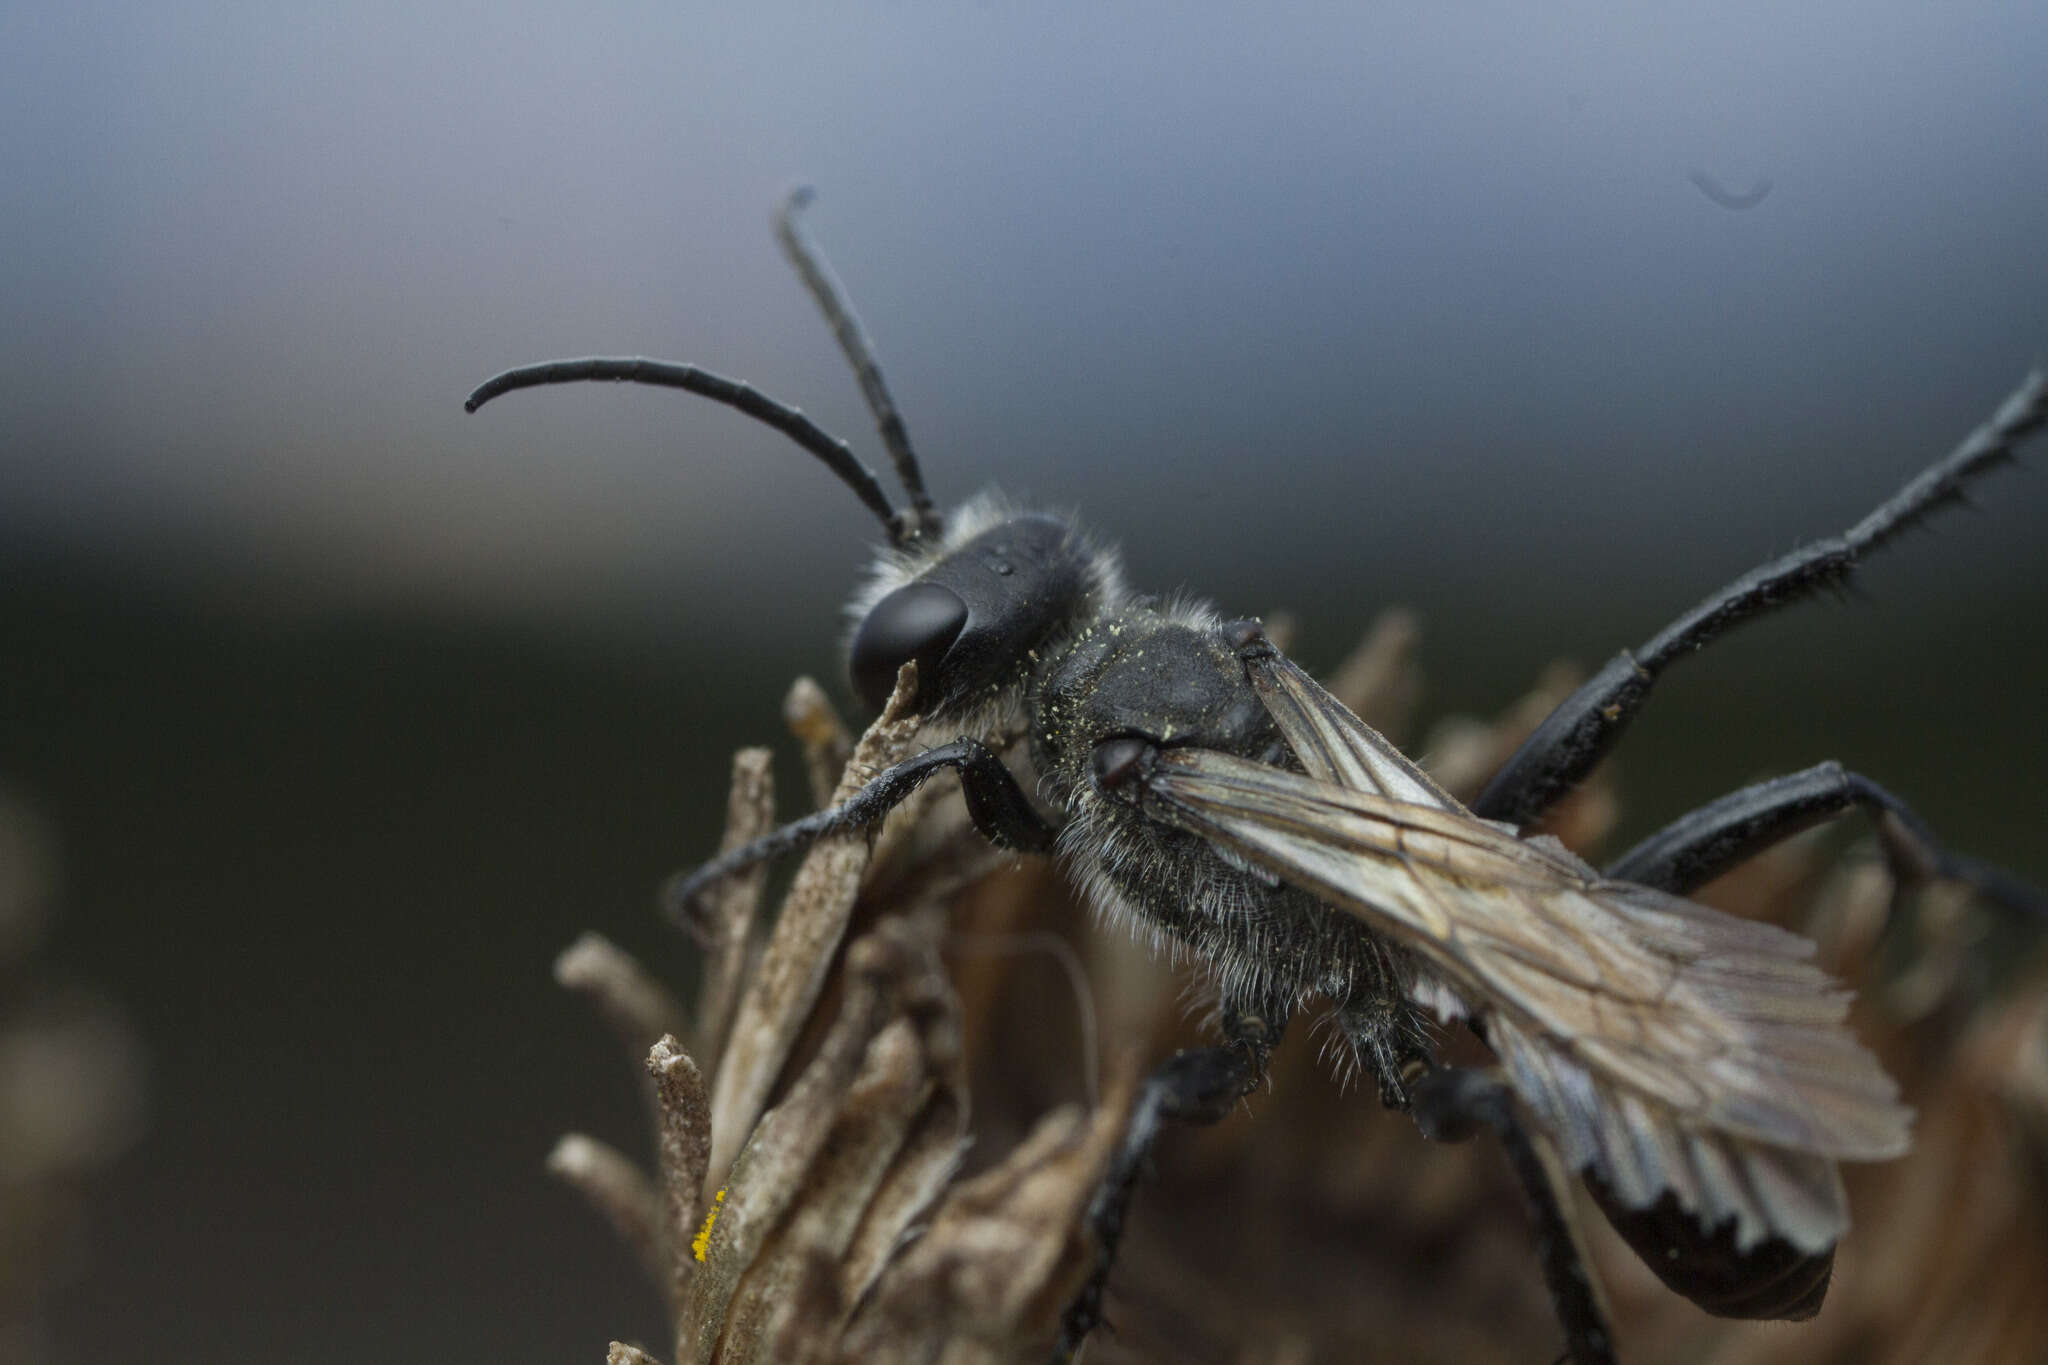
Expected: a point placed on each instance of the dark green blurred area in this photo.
(324, 865)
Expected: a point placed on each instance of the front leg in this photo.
(996, 804)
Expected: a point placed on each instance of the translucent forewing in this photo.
(1665, 1046)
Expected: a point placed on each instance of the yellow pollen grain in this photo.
(703, 1242)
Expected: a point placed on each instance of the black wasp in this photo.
(1692, 1067)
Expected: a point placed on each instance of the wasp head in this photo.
(977, 606)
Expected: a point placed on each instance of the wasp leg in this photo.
(995, 803)
(1453, 1103)
(1696, 848)
(1201, 1085)
(1586, 725)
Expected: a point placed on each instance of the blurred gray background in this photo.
(351, 709)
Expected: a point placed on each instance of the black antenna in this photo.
(860, 353)
(666, 374)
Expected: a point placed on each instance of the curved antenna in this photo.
(791, 422)
(860, 353)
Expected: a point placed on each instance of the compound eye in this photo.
(917, 621)
(1118, 763)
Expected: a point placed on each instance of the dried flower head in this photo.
(851, 1220)
(835, 1225)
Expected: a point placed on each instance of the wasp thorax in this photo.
(1140, 681)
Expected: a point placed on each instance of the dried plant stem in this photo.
(874, 1117)
(924, 1161)
(638, 1008)
(793, 966)
(616, 1188)
(1380, 679)
(766, 1178)
(732, 908)
(683, 1148)
(1004, 1252)
(827, 746)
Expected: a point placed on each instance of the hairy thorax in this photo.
(1166, 675)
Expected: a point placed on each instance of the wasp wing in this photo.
(1666, 1046)
(1331, 742)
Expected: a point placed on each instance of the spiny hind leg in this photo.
(1574, 737)
(1698, 847)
